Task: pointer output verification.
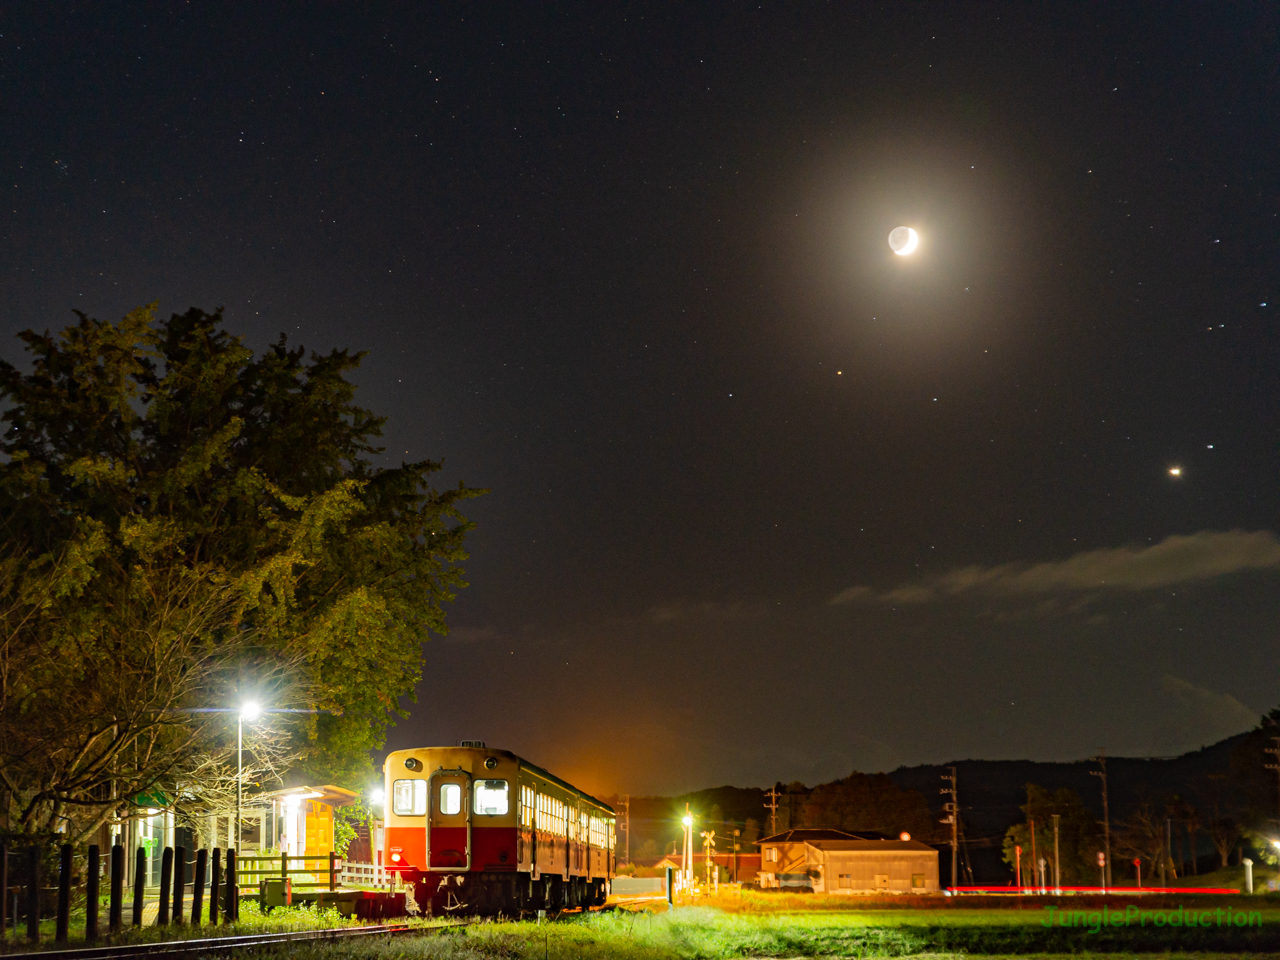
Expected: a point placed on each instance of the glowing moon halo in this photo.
(903, 240)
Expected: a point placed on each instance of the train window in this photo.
(491, 797)
(409, 798)
(450, 798)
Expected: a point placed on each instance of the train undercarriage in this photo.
(503, 894)
(507, 894)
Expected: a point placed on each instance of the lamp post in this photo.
(686, 855)
(248, 711)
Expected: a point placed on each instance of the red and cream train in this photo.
(487, 832)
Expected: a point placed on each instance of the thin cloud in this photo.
(709, 612)
(1198, 557)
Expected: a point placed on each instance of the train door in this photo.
(449, 820)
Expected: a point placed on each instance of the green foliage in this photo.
(345, 821)
(1079, 838)
(159, 480)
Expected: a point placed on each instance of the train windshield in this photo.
(491, 797)
(409, 798)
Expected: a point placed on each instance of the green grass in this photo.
(252, 921)
(705, 933)
(772, 925)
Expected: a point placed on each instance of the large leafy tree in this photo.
(1079, 838)
(160, 469)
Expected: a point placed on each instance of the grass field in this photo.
(807, 926)
(795, 925)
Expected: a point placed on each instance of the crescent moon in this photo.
(913, 241)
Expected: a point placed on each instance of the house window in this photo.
(491, 797)
(846, 881)
(409, 798)
(450, 798)
(771, 854)
(917, 880)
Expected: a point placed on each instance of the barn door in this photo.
(449, 820)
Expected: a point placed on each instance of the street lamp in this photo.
(249, 710)
(687, 853)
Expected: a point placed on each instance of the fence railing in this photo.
(215, 877)
(254, 869)
(219, 879)
(365, 875)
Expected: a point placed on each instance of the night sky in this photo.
(768, 501)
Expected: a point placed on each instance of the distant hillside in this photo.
(991, 793)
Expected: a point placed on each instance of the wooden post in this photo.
(63, 923)
(92, 878)
(215, 885)
(33, 894)
(197, 888)
(179, 881)
(139, 885)
(284, 864)
(333, 876)
(166, 880)
(230, 909)
(4, 890)
(115, 918)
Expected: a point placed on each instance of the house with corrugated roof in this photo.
(833, 861)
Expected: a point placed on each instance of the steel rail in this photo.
(180, 948)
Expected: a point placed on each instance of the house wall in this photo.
(803, 866)
(319, 829)
(783, 865)
(877, 871)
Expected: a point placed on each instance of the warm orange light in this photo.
(904, 835)
(395, 858)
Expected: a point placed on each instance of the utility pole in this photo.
(772, 807)
(1275, 752)
(1101, 773)
(1057, 864)
(952, 807)
(626, 824)
(1033, 851)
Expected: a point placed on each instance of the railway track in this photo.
(208, 945)
(177, 949)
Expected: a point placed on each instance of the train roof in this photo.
(568, 786)
(540, 771)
